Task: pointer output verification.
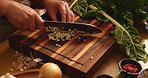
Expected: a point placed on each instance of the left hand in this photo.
(22, 16)
(54, 7)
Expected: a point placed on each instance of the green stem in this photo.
(73, 4)
(115, 23)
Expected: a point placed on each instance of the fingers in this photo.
(63, 12)
(70, 15)
(51, 9)
(28, 18)
(55, 7)
(36, 22)
(53, 16)
(66, 14)
(32, 24)
(52, 13)
(39, 21)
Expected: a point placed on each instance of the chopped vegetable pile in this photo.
(122, 14)
(59, 34)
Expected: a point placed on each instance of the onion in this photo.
(50, 70)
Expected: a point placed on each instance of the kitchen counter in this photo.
(110, 67)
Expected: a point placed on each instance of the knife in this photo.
(79, 26)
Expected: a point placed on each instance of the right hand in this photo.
(23, 17)
(56, 7)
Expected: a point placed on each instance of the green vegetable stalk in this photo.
(113, 21)
(111, 11)
(133, 46)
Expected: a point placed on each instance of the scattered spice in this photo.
(24, 62)
(11, 70)
(58, 45)
(91, 57)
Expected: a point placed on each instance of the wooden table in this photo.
(7, 57)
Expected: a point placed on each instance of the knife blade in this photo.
(79, 26)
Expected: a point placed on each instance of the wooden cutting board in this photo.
(79, 57)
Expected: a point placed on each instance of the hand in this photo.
(55, 7)
(23, 17)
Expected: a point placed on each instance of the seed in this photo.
(25, 68)
(79, 38)
(58, 45)
(84, 40)
(91, 57)
(21, 69)
(11, 70)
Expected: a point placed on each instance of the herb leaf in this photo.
(125, 33)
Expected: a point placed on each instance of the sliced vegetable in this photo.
(132, 68)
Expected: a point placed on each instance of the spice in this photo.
(24, 62)
(58, 45)
(91, 57)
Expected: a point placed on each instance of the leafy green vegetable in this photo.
(145, 8)
(125, 33)
(81, 8)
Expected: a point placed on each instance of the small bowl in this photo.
(125, 73)
(143, 73)
(104, 76)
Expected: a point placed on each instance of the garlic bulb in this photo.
(50, 70)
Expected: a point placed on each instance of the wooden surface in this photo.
(109, 67)
(82, 55)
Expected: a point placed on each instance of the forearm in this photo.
(3, 7)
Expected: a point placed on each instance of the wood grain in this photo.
(81, 55)
(110, 66)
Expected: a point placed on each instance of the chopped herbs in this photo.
(24, 62)
(59, 34)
